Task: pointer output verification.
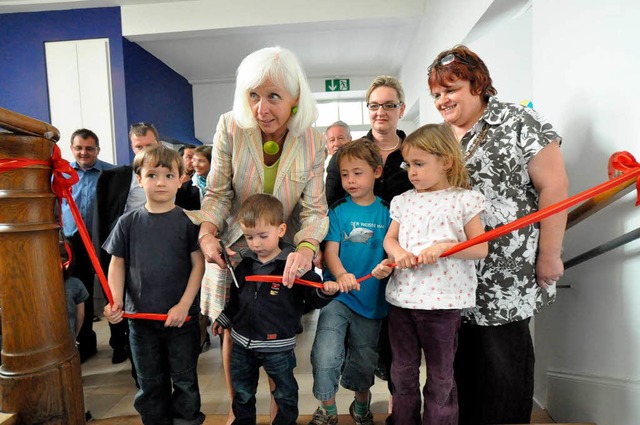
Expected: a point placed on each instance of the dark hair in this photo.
(142, 128)
(157, 156)
(261, 206)
(466, 66)
(204, 150)
(363, 149)
(85, 133)
(183, 148)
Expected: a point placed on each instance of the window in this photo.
(327, 114)
(353, 112)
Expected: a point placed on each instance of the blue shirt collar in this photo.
(99, 165)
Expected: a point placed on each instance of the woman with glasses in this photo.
(513, 158)
(385, 101)
(264, 145)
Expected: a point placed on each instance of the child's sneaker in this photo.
(321, 417)
(366, 419)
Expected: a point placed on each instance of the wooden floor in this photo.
(538, 417)
(221, 420)
(109, 390)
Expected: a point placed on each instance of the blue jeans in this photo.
(436, 333)
(346, 343)
(245, 367)
(163, 356)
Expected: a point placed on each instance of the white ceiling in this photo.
(205, 40)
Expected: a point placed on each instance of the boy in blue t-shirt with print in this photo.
(357, 227)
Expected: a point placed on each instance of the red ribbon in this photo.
(620, 162)
(64, 177)
(278, 279)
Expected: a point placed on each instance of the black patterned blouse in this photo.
(507, 288)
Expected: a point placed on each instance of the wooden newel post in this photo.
(40, 376)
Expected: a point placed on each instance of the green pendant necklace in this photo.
(272, 148)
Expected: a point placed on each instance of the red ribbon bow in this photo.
(620, 161)
(623, 162)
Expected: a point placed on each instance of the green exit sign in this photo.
(337, 84)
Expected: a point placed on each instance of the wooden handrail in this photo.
(22, 124)
(592, 206)
(598, 202)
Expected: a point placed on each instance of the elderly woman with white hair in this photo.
(264, 145)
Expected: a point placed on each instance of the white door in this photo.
(80, 96)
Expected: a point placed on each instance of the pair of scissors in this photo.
(227, 261)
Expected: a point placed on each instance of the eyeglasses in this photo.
(385, 106)
(446, 60)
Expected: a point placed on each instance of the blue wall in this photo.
(23, 76)
(157, 94)
(144, 88)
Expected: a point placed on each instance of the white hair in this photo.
(279, 66)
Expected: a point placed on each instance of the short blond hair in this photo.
(386, 81)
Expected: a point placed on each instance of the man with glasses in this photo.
(85, 148)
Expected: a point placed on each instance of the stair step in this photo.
(8, 418)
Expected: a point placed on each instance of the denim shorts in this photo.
(346, 344)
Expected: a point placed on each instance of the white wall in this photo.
(585, 67)
(505, 47)
(209, 102)
(446, 23)
(577, 60)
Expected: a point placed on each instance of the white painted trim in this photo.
(591, 398)
(596, 379)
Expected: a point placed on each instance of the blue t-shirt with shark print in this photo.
(360, 231)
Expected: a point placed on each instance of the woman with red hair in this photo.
(513, 158)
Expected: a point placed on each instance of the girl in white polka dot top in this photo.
(426, 293)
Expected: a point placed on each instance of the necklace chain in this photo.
(477, 142)
(393, 148)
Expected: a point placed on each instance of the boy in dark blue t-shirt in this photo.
(156, 267)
